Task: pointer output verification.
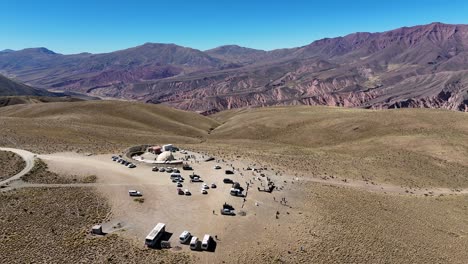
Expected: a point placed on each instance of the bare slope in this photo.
(407, 147)
(11, 88)
(98, 125)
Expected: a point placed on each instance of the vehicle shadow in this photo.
(165, 237)
(212, 246)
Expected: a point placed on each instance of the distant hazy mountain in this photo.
(420, 66)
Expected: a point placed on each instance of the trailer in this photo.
(155, 235)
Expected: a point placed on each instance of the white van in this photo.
(175, 175)
(205, 242)
(194, 243)
(184, 237)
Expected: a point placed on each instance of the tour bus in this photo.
(155, 235)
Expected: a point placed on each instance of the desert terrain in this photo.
(353, 185)
(10, 164)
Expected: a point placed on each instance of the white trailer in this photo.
(155, 235)
(205, 242)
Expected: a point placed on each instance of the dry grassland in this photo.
(410, 147)
(97, 126)
(51, 225)
(10, 164)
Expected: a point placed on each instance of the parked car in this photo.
(229, 172)
(235, 192)
(176, 170)
(196, 179)
(226, 211)
(155, 168)
(187, 167)
(203, 191)
(185, 237)
(179, 184)
(194, 175)
(206, 242)
(213, 185)
(227, 180)
(205, 186)
(134, 193)
(217, 167)
(162, 169)
(175, 175)
(194, 243)
(169, 170)
(187, 192)
(180, 191)
(131, 165)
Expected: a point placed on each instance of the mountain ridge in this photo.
(362, 69)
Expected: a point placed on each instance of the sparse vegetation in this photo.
(55, 225)
(139, 200)
(412, 147)
(10, 164)
(40, 174)
(320, 224)
(97, 126)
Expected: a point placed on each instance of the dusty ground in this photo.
(10, 164)
(319, 222)
(41, 174)
(361, 186)
(194, 213)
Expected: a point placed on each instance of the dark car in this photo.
(229, 172)
(227, 180)
(194, 176)
(187, 167)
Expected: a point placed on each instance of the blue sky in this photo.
(102, 25)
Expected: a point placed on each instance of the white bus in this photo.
(155, 235)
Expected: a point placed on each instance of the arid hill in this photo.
(9, 87)
(98, 126)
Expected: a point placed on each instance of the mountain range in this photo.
(419, 66)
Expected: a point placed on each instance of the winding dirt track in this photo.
(358, 184)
